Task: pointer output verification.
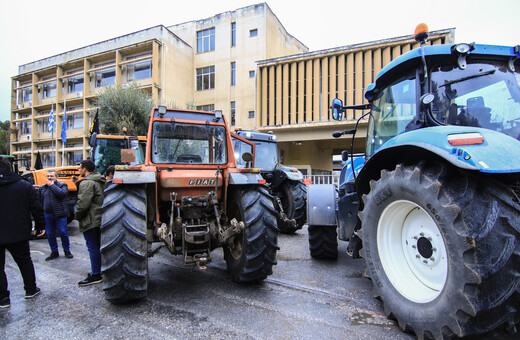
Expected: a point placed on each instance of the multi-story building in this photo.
(209, 62)
(242, 62)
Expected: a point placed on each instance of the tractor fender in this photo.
(491, 156)
(281, 173)
(321, 205)
(241, 178)
(134, 177)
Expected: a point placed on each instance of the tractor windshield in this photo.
(483, 95)
(175, 143)
(266, 155)
(392, 112)
(108, 152)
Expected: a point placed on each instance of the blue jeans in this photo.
(60, 223)
(93, 239)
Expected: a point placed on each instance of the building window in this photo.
(253, 32)
(75, 84)
(233, 121)
(251, 74)
(106, 77)
(74, 158)
(251, 114)
(206, 78)
(139, 70)
(26, 128)
(25, 94)
(44, 125)
(49, 90)
(233, 34)
(209, 107)
(233, 73)
(47, 159)
(206, 40)
(75, 121)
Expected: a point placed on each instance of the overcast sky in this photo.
(33, 29)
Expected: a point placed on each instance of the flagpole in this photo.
(52, 135)
(62, 142)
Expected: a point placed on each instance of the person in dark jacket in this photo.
(18, 201)
(53, 197)
(88, 214)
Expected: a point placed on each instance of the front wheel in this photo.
(252, 254)
(442, 250)
(294, 198)
(124, 261)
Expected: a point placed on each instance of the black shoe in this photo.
(90, 280)
(68, 255)
(52, 256)
(5, 303)
(30, 295)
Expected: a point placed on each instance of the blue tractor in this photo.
(435, 209)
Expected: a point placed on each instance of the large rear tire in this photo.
(294, 197)
(124, 261)
(252, 254)
(442, 250)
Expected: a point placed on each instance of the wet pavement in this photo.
(303, 299)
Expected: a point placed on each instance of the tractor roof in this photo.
(413, 58)
(202, 116)
(258, 136)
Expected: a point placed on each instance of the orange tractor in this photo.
(191, 197)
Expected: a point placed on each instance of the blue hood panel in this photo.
(498, 154)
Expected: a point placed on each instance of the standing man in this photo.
(88, 214)
(18, 201)
(53, 196)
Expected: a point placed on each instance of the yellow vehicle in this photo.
(105, 151)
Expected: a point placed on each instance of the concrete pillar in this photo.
(301, 89)
(294, 86)
(271, 95)
(278, 103)
(341, 77)
(333, 76)
(308, 85)
(285, 95)
(324, 89)
(262, 115)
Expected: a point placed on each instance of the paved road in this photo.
(303, 299)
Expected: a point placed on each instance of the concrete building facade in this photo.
(209, 63)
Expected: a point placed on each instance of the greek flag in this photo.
(64, 128)
(52, 123)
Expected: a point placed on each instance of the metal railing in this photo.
(321, 179)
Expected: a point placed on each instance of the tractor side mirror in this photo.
(344, 155)
(247, 157)
(337, 109)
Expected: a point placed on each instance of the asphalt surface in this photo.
(303, 299)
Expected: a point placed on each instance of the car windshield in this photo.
(175, 143)
(483, 95)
